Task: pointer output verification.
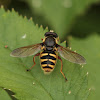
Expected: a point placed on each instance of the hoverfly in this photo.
(48, 54)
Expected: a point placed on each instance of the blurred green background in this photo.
(77, 19)
(66, 17)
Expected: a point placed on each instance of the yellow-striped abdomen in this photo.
(48, 60)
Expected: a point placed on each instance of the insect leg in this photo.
(61, 68)
(33, 61)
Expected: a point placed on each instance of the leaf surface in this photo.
(4, 95)
(16, 31)
(90, 48)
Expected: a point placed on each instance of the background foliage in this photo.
(77, 22)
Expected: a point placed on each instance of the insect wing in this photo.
(70, 55)
(26, 51)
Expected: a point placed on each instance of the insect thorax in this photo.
(49, 43)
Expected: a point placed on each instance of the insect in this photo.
(49, 49)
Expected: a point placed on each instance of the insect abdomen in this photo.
(48, 60)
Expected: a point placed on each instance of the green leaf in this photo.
(90, 48)
(4, 95)
(60, 14)
(16, 31)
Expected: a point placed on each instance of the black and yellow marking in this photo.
(48, 60)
